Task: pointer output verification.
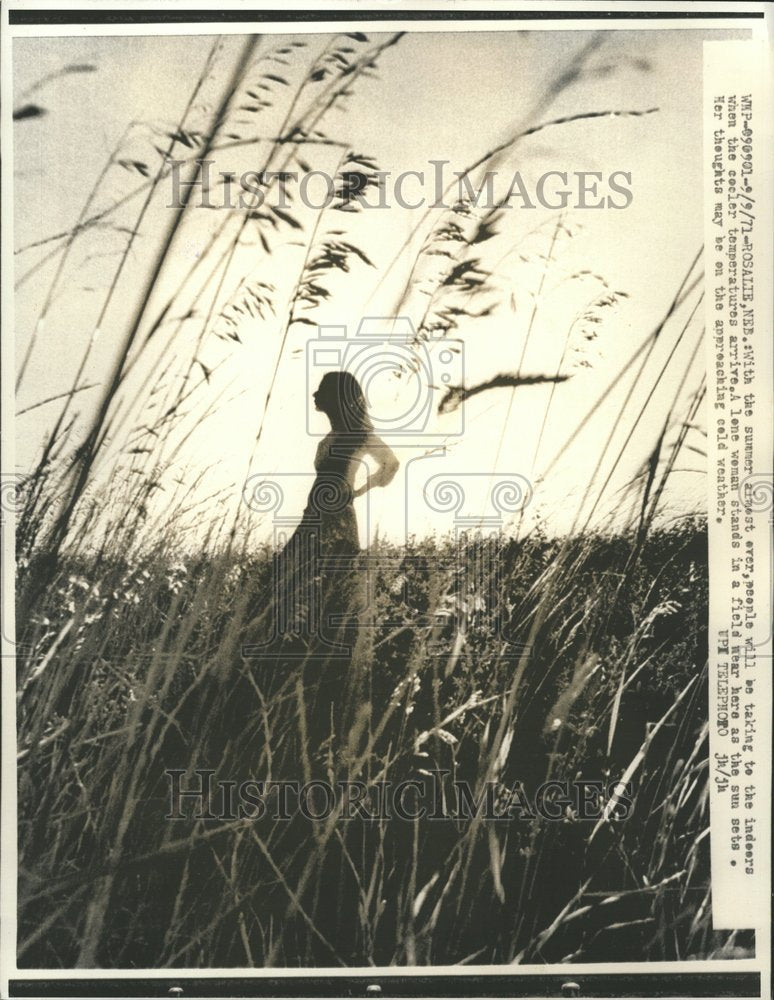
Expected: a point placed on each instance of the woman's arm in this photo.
(386, 465)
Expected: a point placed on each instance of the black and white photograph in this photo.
(387, 498)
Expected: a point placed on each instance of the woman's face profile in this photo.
(321, 396)
(340, 398)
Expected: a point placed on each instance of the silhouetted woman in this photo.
(317, 574)
(319, 581)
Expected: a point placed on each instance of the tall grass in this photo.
(137, 670)
(129, 646)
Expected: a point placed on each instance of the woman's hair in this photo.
(342, 398)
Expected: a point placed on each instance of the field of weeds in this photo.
(134, 668)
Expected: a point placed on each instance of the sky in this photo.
(435, 96)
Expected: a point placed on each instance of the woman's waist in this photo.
(330, 495)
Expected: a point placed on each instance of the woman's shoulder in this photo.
(340, 445)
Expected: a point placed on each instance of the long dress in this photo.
(316, 573)
(319, 584)
(307, 646)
